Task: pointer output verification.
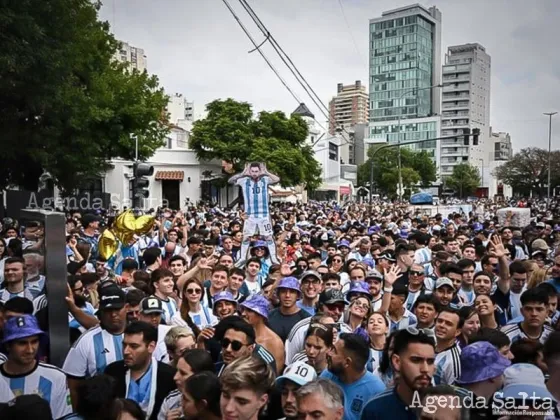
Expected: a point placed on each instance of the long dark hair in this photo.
(205, 386)
(385, 363)
(184, 310)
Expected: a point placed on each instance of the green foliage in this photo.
(527, 170)
(66, 106)
(464, 180)
(417, 167)
(230, 132)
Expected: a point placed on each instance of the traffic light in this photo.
(140, 183)
(475, 134)
(466, 133)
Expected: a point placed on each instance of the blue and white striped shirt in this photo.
(92, 352)
(47, 381)
(407, 320)
(6, 295)
(169, 309)
(255, 196)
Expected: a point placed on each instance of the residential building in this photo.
(502, 149)
(499, 152)
(326, 151)
(360, 133)
(347, 108)
(405, 67)
(135, 57)
(181, 111)
(465, 106)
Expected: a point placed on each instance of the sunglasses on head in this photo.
(194, 291)
(425, 331)
(235, 345)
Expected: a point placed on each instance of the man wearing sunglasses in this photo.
(238, 341)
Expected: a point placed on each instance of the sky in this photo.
(197, 48)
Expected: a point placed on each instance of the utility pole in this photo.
(550, 115)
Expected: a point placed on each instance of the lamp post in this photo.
(406, 92)
(482, 174)
(550, 115)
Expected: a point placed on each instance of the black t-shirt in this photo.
(283, 324)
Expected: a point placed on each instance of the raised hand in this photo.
(392, 274)
(497, 248)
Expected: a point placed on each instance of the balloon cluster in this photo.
(124, 229)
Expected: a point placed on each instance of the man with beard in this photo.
(347, 368)
(14, 280)
(413, 360)
(295, 376)
(81, 304)
(34, 280)
(151, 311)
(98, 346)
(139, 377)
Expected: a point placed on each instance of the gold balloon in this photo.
(144, 224)
(108, 244)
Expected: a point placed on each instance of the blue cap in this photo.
(19, 327)
(223, 296)
(344, 243)
(289, 283)
(358, 287)
(260, 244)
(258, 304)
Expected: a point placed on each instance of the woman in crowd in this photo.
(385, 370)
(358, 312)
(486, 310)
(201, 397)
(125, 409)
(177, 341)
(377, 328)
(336, 264)
(470, 327)
(193, 311)
(318, 340)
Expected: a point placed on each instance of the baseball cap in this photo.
(387, 255)
(289, 283)
(374, 274)
(539, 245)
(540, 225)
(73, 266)
(311, 273)
(258, 304)
(111, 297)
(524, 379)
(481, 361)
(332, 296)
(23, 326)
(151, 305)
(444, 281)
(30, 406)
(299, 373)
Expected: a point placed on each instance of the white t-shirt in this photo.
(92, 352)
(47, 381)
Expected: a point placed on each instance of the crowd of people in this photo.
(359, 312)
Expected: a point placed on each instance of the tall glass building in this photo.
(404, 62)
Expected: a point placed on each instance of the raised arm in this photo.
(235, 177)
(274, 179)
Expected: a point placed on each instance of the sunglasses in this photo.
(194, 291)
(425, 331)
(416, 273)
(235, 345)
(337, 260)
(361, 305)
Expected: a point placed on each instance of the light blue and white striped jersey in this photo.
(374, 359)
(466, 297)
(92, 352)
(169, 309)
(171, 402)
(47, 381)
(411, 299)
(255, 196)
(5, 295)
(422, 256)
(448, 365)
(407, 320)
(36, 287)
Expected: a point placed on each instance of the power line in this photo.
(283, 56)
(291, 66)
(260, 52)
(351, 34)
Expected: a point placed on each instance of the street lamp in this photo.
(482, 174)
(550, 114)
(406, 92)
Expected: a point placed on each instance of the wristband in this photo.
(388, 289)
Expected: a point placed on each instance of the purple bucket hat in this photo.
(358, 287)
(23, 326)
(223, 296)
(289, 283)
(258, 304)
(260, 244)
(344, 243)
(481, 361)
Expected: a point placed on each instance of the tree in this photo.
(527, 171)
(417, 169)
(464, 179)
(231, 132)
(66, 106)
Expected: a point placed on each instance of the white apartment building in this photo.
(181, 111)
(465, 105)
(135, 57)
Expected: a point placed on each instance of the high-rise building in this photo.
(135, 57)
(502, 149)
(465, 106)
(347, 108)
(405, 67)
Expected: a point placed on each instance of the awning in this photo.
(170, 175)
(345, 190)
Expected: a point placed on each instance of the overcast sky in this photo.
(196, 47)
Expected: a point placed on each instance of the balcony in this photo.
(460, 87)
(454, 78)
(458, 124)
(451, 97)
(460, 105)
(456, 115)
